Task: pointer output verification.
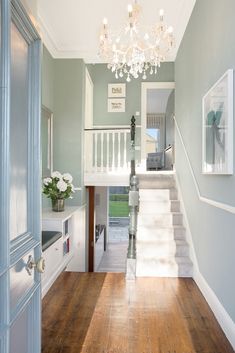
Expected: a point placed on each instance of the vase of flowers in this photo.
(58, 187)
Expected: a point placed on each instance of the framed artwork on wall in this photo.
(217, 127)
(116, 90)
(116, 105)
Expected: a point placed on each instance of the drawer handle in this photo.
(31, 264)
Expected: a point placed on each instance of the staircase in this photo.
(162, 250)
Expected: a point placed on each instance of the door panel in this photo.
(19, 333)
(19, 133)
(20, 281)
(20, 187)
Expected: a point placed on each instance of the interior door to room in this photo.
(20, 240)
(159, 117)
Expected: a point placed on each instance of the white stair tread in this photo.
(162, 249)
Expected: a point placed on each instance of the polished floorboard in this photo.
(102, 313)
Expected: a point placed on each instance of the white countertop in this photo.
(47, 213)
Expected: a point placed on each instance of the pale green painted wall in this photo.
(48, 74)
(206, 52)
(68, 122)
(101, 77)
(170, 111)
(63, 83)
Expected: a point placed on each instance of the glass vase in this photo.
(57, 205)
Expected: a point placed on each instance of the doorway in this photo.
(111, 209)
(157, 133)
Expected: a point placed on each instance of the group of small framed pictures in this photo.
(116, 97)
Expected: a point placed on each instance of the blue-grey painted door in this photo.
(20, 184)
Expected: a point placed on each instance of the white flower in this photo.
(62, 185)
(72, 188)
(47, 181)
(68, 177)
(56, 175)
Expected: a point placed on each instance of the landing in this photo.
(120, 177)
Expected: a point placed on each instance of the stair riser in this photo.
(164, 220)
(152, 207)
(156, 184)
(146, 233)
(145, 270)
(158, 195)
(162, 251)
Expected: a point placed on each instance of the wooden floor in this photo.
(102, 313)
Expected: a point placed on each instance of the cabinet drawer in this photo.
(53, 257)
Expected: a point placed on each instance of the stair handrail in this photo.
(133, 197)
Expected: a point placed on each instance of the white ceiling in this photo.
(70, 29)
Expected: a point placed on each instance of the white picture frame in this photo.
(117, 90)
(217, 127)
(116, 105)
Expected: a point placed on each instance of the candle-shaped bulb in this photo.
(105, 21)
(161, 14)
(129, 8)
(170, 30)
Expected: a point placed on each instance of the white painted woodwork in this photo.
(78, 262)
(106, 150)
(145, 86)
(56, 260)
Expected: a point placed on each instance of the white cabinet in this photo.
(58, 255)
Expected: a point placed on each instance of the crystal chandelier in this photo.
(134, 52)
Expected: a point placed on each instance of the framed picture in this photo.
(116, 105)
(217, 127)
(116, 90)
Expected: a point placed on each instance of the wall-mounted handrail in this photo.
(221, 205)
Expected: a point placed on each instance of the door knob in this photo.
(31, 264)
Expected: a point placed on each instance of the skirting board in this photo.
(225, 321)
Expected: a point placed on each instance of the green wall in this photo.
(68, 122)
(101, 77)
(206, 52)
(48, 74)
(170, 112)
(63, 82)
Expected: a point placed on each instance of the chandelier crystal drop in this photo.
(135, 52)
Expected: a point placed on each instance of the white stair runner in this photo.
(161, 246)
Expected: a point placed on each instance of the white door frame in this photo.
(144, 88)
